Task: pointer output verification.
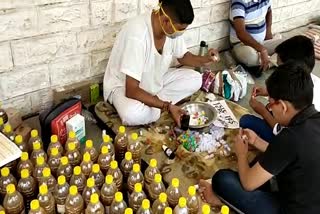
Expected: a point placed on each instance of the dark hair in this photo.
(180, 11)
(297, 48)
(291, 82)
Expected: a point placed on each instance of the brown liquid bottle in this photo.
(118, 205)
(160, 204)
(89, 190)
(135, 147)
(33, 139)
(91, 150)
(135, 176)
(54, 160)
(192, 201)
(174, 193)
(121, 144)
(74, 202)
(128, 211)
(181, 207)
(78, 179)
(37, 152)
(97, 175)
(60, 193)
(54, 143)
(48, 179)
(25, 163)
(156, 187)
(168, 210)
(145, 207)
(8, 132)
(41, 164)
(1, 124)
(116, 174)
(151, 171)
(108, 191)
(206, 209)
(136, 197)
(73, 155)
(65, 168)
(95, 206)
(72, 138)
(13, 201)
(23, 146)
(6, 179)
(107, 141)
(27, 186)
(104, 159)
(35, 207)
(46, 199)
(86, 165)
(126, 165)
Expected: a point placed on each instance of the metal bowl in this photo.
(193, 107)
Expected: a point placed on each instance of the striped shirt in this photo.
(254, 14)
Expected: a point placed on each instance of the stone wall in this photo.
(49, 43)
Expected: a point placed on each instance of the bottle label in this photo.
(61, 208)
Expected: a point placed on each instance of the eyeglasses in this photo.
(271, 104)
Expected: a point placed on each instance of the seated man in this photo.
(293, 156)
(298, 48)
(138, 80)
(251, 34)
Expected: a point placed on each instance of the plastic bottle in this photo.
(108, 191)
(118, 205)
(60, 193)
(54, 160)
(3, 114)
(78, 179)
(160, 204)
(97, 175)
(33, 139)
(156, 187)
(135, 176)
(91, 150)
(224, 209)
(48, 179)
(150, 172)
(65, 168)
(23, 146)
(13, 201)
(46, 199)
(89, 190)
(181, 208)
(72, 138)
(136, 197)
(128, 211)
(107, 141)
(135, 147)
(73, 155)
(121, 144)
(35, 207)
(7, 131)
(205, 209)
(168, 210)
(25, 163)
(173, 192)
(192, 201)
(27, 186)
(6, 179)
(116, 174)
(104, 159)
(74, 203)
(1, 124)
(37, 152)
(86, 165)
(126, 165)
(37, 172)
(54, 143)
(95, 206)
(145, 207)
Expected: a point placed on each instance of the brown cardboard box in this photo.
(15, 117)
(24, 130)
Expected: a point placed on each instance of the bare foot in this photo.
(208, 195)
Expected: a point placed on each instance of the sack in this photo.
(54, 120)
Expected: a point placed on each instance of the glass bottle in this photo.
(206, 209)
(145, 208)
(65, 168)
(107, 141)
(35, 207)
(54, 160)
(33, 139)
(173, 192)
(7, 131)
(151, 171)
(23, 146)
(156, 187)
(86, 165)
(181, 207)
(46, 199)
(60, 193)
(91, 150)
(135, 176)
(108, 191)
(135, 147)
(6, 179)
(73, 155)
(104, 159)
(224, 209)
(25, 163)
(74, 202)
(48, 179)
(72, 138)
(160, 204)
(116, 174)
(78, 179)
(118, 205)
(97, 175)
(89, 190)
(121, 144)
(95, 206)
(54, 143)
(126, 165)
(136, 197)
(37, 152)
(37, 173)
(13, 201)
(192, 201)
(27, 186)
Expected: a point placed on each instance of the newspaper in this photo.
(8, 150)
(225, 117)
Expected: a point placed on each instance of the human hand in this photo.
(259, 91)
(250, 136)
(269, 35)
(264, 60)
(213, 55)
(240, 145)
(257, 106)
(176, 113)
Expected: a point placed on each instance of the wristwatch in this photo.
(277, 129)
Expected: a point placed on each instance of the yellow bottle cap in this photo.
(61, 180)
(72, 134)
(24, 156)
(64, 160)
(118, 197)
(7, 128)
(5, 171)
(175, 182)
(145, 204)
(34, 133)
(138, 187)
(206, 209)
(11, 188)
(163, 197)
(1, 121)
(134, 136)
(158, 178)
(122, 129)
(128, 156)
(182, 202)
(43, 189)
(153, 163)
(34, 205)
(94, 198)
(71, 146)
(104, 150)
(106, 138)
(18, 139)
(89, 144)
(136, 168)
(224, 209)
(114, 164)
(128, 211)
(54, 139)
(54, 151)
(36, 145)
(2, 211)
(77, 170)
(109, 179)
(192, 190)
(40, 160)
(96, 168)
(90, 182)
(25, 173)
(73, 190)
(168, 210)
(86, 157)
(46, 172)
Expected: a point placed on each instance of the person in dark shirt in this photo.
(292, 156)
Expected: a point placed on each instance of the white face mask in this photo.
(174, 35)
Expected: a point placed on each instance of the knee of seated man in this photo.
(248, 56)
(196, 79)
(133, 116)
(222, 179)
(246, 120)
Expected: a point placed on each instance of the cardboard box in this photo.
(77, 124)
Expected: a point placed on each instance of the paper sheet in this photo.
(8, 151)
(225, 118)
